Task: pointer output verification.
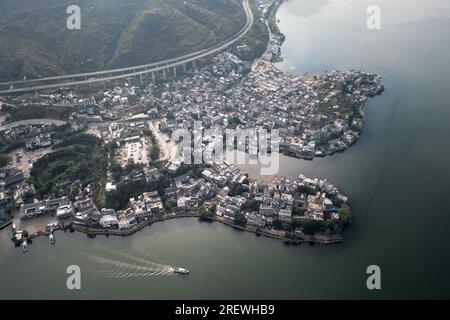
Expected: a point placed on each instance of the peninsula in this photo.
(102, 161)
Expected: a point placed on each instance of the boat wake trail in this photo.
(122, 265)
(124, 275)
(139, 250)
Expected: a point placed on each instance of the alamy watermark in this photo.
(73, 21)
(374, 280)
(73, 282)
(201, 145)
(373, 22)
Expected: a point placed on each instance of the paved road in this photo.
(165, 148)
(123, 73)
(271, 13)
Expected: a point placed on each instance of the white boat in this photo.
(52, 238)
(24, 246)
(181, 270)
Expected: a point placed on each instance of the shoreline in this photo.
(93, 232)
(272, 21)
(6, 224)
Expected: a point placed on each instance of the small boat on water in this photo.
(52, 238)
(24, 246)
(181, 270)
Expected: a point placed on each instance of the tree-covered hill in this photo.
(35, 42)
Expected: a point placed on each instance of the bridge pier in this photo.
(153, 77)
(142, 81)
(175, 71)
(164, 74)
(184, 67)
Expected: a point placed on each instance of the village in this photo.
(131, 172)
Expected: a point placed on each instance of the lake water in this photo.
(397, 177)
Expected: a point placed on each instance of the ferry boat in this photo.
(24, 246)
(52, 238)
(181, 270)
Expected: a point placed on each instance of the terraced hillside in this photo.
(34, 40)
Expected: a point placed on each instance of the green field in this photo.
(34, 40)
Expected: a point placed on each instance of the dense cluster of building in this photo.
(147, 205)
(314, 115)
(300, 200)
(32, 136)
(261, 204)
(62, 207)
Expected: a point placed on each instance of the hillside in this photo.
(34, 40)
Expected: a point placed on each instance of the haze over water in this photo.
(397, 177)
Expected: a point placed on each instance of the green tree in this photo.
(344, 214)
(205, 213)
(312, 226)
(118, 199)
(170, 204)
(155, 152)
(170, 115)
(307, 190)
(3, 160)
(74, 191)
(116, 170)
(278, 224)
(337, 202)
(234, 121)
(148, 133)
(251, 205)
(240, 219)
(236, 189)
(294, 224)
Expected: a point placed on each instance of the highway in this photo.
(123, 73)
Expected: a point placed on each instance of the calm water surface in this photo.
(397, 177)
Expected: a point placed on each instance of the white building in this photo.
(110, 187)
(64, 211)
(285, 215)
(108, 221)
